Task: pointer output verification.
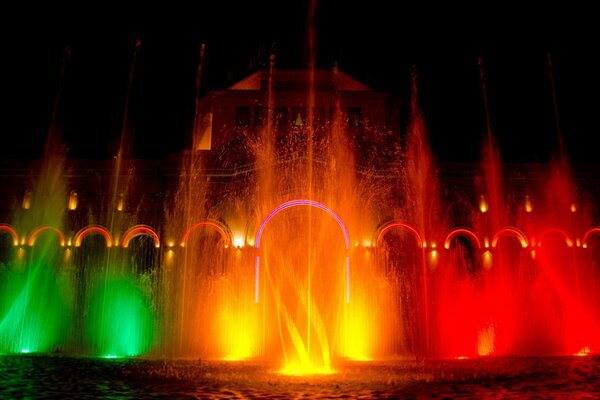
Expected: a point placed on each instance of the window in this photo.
(280, 116)
(298, 116)
(260, 116)
(355, 117)
(319, 117)
(335, 115)
(242, 116)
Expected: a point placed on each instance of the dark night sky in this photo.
(371, 41)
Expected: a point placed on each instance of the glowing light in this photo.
(25, 351)
(238, 242)
(533, 254)
(79, 236)
(510, 231)
(487, 259)
(462, 357)
(20, 255)
(139, 230)
(301, 369)
(359, 332)
(483, 205)
(294, 203)
(10, 230)
(584, 352)
(347, 279)
(26, 200)
(256, 277)
(433, 258)
(120, 321)
(222, 229)
(486, 341)
(238, 344)
(558, 231)
(394, 224)
(573, 208)
(120, 202)
(528, 205)
(486, 242)
(73, 201)
(171, 244)
(110, 356)
(462, 232)
(33, 236)
(588, 234)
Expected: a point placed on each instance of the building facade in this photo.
(243, 108)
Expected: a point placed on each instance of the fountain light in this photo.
(466, 234)
(584, 352)
(73, 201)
(140, 230)
(483, 205)
(487, 259)
(120, 202)
(433, 258)
(511, 231)
(223, 231)
(33, 236)
(303, 369)
(486, 341)
(238, 242)
(294, 203)
(528, 205)
(11, 232)
(26, 200)
(82, 233)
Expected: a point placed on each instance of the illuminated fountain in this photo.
(305, 263)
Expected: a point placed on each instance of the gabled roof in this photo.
(292, 80)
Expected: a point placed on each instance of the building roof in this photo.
(293, 80)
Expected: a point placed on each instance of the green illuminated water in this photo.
(36, 303)
(119, 319)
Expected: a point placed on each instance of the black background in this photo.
(377, 42)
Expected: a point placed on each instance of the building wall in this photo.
(234, 113)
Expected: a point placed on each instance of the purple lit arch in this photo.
(294, 203)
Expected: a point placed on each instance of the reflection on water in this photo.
(65, 377)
